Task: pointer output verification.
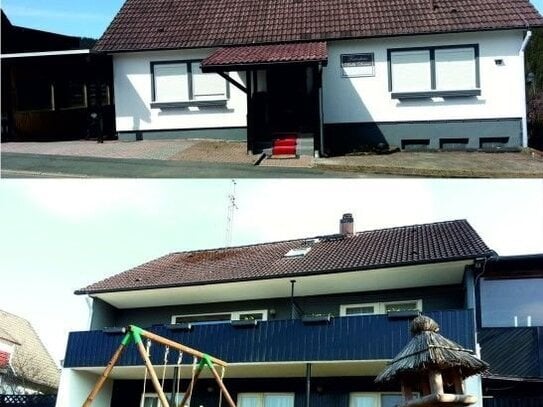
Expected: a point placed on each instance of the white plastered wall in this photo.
(132, 81)
(76, 385)
(367, 99)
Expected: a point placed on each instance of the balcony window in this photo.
(380, 307)
(266, 400)
(217, 318)
(511, 302)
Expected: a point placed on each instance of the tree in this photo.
(534, 91)
(26, 377)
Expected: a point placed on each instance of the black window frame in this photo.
(435, 92)
(191, 101)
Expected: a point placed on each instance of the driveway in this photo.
(528, 163)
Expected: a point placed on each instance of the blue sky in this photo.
(76, 17)
(59, 235)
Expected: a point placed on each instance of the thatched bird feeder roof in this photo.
(429, 351)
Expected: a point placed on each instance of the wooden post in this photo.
(178, 346)
(436, 382)
(100, 383)
(152, 373)
(458, 383)
(406, 391)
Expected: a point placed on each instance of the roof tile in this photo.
(417, 244)
(174, 24)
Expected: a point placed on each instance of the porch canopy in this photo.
(250, 57)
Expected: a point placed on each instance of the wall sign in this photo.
(353, 65)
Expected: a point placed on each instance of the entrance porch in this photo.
(283, 84)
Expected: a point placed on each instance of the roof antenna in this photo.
(230, 215)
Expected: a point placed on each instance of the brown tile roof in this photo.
(264, 54)
(172, 24)
(30, 359)
(435, 242)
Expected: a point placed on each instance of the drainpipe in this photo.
(89, 302)
(292, 306)
(321, 115)
(524, 114)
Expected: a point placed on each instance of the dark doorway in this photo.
(293, 99)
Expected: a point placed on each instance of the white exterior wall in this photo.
(367, 99)
(76, 385)
(132, 81)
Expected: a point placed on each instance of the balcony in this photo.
(372, 337)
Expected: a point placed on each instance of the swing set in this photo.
(134, 334)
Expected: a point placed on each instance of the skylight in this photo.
(304, 248)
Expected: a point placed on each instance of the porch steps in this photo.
(288, 145)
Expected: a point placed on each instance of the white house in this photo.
(323, 77)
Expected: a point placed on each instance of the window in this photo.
(70, 94)
(376, 399)
(434, 71)
(185, 82)
(266, 400)
(379, 307)
(152, 400)
(217, 318)
(34, 94)
(511, 302)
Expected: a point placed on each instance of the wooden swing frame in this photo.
(134, 334)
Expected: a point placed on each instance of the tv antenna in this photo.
(230, 216)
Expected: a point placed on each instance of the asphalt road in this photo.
(17, 165)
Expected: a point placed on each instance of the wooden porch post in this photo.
(249, 78)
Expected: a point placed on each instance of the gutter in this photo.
(524, 113)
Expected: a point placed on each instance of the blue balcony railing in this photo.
(343, 338)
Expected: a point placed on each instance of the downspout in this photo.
(321, 115)
(524, 113)
(89, 302)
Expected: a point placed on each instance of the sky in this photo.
(84, 18)
(59, 235)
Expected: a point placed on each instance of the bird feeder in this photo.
(433, 366)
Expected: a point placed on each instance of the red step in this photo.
(279, 142)
(284, 150)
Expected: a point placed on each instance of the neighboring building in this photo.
(51, 83)
(321, 76)
(300, 322)
(25, 365)
(510, 333)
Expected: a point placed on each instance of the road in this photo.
(17, 165)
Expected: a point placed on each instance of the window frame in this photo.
(219, 102)
(376, 395)
(262, 396)
(145, 395)
(378, 306)
(435, 92)
(234, 316)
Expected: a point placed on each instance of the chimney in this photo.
(346, 225)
